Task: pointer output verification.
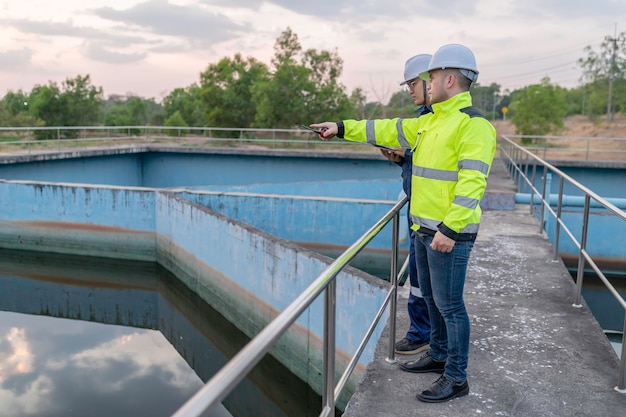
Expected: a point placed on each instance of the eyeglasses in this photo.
(412, 83)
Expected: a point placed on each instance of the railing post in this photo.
(515, 172)
(621, 383)
(543, 197)
(328, 391)
(581, 258)
(393, 279)
(557, 230)
(531, 206)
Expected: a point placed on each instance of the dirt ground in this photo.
(579, 126)
(582, 139)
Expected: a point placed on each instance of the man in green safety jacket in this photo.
(453, 149)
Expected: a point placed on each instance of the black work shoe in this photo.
(406, 347)
(443, 389)
(424, 364)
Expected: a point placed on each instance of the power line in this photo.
(540, 71)
(553, 54)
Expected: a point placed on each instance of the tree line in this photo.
(302, 85)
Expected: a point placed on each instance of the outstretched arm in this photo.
(329, 129)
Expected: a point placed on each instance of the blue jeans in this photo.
(442, 279)
(419, 329)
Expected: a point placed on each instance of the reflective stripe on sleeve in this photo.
(401, 138)
(370, 132)
(474, 164)
(466, 202)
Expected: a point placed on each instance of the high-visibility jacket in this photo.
(453, 149)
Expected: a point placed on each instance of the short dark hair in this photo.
(464, 82)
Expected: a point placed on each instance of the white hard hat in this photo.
(415, 66)
(456, 56)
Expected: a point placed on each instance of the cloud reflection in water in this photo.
(109, 371)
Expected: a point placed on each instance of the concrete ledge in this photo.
(531, 353)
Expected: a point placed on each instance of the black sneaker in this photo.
(424, 363)
(406, 347)
(443, 389)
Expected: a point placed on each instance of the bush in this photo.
(176, 120)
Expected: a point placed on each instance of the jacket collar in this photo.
(456, 102)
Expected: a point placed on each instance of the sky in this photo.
(150, 47)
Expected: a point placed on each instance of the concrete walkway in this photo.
(532, 354)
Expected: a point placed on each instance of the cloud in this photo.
(566, 9)
(359, 11)
(68, 29)
(98, 51)
(16, 59)
(194, 23)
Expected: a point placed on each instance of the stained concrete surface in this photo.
(532, 353)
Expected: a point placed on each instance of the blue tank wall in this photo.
(607, 182)
(175, 169)
(193, 169)
(606, 233)
(119, 169)
(249, 275)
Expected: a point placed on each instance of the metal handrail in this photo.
(513, 156)
(227, 378)
(104, 135)
(587, 150)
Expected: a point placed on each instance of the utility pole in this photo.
(609, 113)
(613, 40)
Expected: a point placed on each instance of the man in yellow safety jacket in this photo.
(453, 149)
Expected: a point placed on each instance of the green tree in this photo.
(538, 109)
(117, 115)
(14, 103)
(76, 103)
(14, 110)
(188, 102)
(45, 103)
(176, 120)
(82, 102)
(606, 66)
(401, 105)
(280, 100)
(327, 98)
(132, 111)
(226, 90)
(358, 101)
(609, 60)
(303, 86)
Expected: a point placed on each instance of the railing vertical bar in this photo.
(543, 198)
(393, 278)
(514, 167)
(557, 226)
(581, 257)
(621, 383)
(532, 186)
(330, 308)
